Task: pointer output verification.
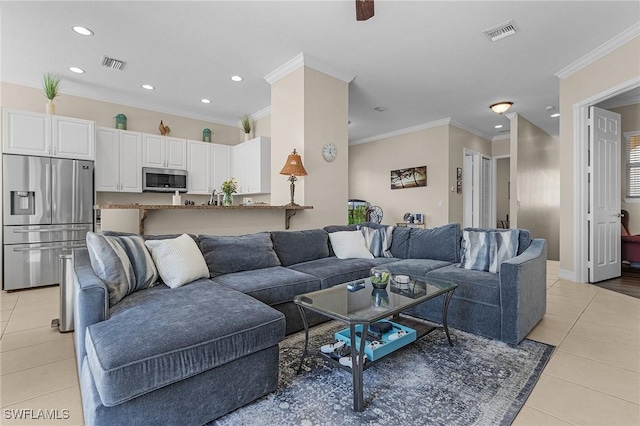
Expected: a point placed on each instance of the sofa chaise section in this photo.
(171, 356)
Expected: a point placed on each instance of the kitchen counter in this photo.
(144, 209)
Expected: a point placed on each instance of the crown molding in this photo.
(262, 113)
(416, 128)
(98, 95)
(423, 126)
(308, 61)
(511, 115)
(609, 46)
(502, 137)
(471, 130)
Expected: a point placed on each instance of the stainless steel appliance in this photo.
(163, 180)
(48, 210)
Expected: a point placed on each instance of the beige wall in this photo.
(615, 68)
(459, 140)
(630, 117)
(370, 165)
(537, 189)
(502, 189)
(501, 147)
(439, 148)
(262, 126)
(309, 109)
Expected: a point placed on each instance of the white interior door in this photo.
(477, 191)
(604, 193)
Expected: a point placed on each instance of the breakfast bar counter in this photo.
(144, 209)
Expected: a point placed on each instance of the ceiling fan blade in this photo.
(364, 9)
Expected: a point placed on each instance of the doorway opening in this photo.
(582, 204)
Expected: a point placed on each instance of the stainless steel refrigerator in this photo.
(48, 210)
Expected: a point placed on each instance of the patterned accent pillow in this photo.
(123, 263)
(378, 240)
(475, 250)
(503, 245)
(179, 260)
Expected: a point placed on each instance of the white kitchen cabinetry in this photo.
(32, 133)
(164, 152)
(118, 161)
(208, 165)
(251, 166)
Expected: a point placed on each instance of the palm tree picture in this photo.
(409, 178)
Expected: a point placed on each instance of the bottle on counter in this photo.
(177, 199)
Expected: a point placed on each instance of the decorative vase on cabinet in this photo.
(51, 107)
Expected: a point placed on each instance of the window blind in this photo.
(633, 165)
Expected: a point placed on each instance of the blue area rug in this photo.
(476, 382)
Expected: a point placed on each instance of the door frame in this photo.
(494, 178)
(580, 169)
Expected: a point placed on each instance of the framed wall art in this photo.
(459, 187)
(459, 173)
(409, 178)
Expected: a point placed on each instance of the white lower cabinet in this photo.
(251, 166)
(208, 165)
(118, 165)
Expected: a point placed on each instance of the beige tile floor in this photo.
(593, 377)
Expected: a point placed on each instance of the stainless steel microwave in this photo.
(163, 180)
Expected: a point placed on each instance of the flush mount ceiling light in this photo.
(501, 107)
(205, 101)
(380, 109)
(236, 78)
(82, 31)
(498, 126)
(76, 70)
(557, 114)
(147, 87)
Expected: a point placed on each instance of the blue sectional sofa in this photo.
(194, 353)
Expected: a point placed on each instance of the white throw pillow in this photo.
(349, 245)
(179, 260)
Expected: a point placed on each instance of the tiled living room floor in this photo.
(593, 377)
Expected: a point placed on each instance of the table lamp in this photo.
(294, 168)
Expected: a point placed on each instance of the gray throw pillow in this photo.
(123, 263)
(225, 255)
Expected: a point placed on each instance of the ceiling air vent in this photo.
(503, 30)
(108, 62)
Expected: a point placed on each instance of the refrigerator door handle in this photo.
(47, 191)
(27, 231)
(19, 249)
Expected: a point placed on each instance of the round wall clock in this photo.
(329, 152)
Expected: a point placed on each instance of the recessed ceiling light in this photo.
(498, 126)
(147, 86)
(236, 78)
(557, 114)
(205, 101)
(83, 31)
(76, 70)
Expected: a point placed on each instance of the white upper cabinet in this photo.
(198, 166)
(73, 138)
(221, 165)
(164, 152)
(176, 153)
(208, 165)
(32, 133)
(118, 161)
(251, 166)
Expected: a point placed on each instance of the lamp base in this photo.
(291, 205)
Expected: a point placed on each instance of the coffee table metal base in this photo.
(357, 356)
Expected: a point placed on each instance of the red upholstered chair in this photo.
(630, 243)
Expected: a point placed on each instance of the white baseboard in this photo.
(567, 275)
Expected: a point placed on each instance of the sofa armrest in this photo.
(523, 291)
(91, 301)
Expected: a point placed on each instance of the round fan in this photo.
(374, 214)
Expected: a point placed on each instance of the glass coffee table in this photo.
(358, 305)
